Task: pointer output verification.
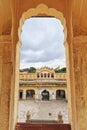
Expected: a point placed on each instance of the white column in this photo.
(50, 75)
(24, 94)
(66, 96)
(36, 96)
(39, 96)
(54, 96)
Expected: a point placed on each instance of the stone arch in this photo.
(45, 95)
(41, 90)
(42, 9)
(48, 75)
(30, 93)
(41, 75)
(60, 93)
(52, 75)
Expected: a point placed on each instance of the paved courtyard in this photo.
(40, 110)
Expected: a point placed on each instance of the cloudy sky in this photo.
(42, 43)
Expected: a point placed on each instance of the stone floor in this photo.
(40, 110)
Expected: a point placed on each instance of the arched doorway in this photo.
(60, 94)
(30, 94)
(45, 95)
(20, 94)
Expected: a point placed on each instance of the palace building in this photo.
(44, 84)
(73, 17)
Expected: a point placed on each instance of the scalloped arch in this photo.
(42, 9)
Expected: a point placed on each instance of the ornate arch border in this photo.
(42, 9)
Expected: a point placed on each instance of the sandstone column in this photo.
(24, 94)
(78, 83)
(5, 82)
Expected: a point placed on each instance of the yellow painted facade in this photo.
(43, 79)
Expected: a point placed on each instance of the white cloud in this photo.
(52, 64)
(42, 43)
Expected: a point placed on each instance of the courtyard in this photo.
(42, 110)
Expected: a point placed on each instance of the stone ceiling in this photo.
(79, 17)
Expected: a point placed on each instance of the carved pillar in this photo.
(37, 96)
(16, 82)
(5, 83)
(66, 96)
(24, 94)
